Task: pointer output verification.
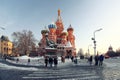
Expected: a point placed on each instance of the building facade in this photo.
(110, 52)
(6, 46)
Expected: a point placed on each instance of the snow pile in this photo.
(27, 57)
(23, 60)
(14, 67)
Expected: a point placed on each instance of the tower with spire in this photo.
(60, 27)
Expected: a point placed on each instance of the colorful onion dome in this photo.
(44, 31)
(64, 34)
(70, 28)
(52, 26)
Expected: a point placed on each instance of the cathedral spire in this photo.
(60, 26)
(59, 19)
(59, 12)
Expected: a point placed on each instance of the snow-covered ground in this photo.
(6, 66)
(34, 62)
(112, 69)
(112, 62)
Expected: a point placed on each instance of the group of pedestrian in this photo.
(51, 60)
(98, 60)
(74, 59)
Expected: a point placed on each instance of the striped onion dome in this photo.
(52, 26)
(70, 28)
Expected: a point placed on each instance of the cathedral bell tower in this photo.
(60, 27)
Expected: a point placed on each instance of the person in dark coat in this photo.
(17, 60)
(72, 58)
(28, 61)
(62, 59)
(55, 61)
(51, 61)
(90, 60)
(46, 61)
(96, 60)
(75, 60)
(101, 58)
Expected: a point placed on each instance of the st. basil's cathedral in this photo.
(55, 41)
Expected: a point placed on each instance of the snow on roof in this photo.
(60, 45)
(68, 44)
(50, 48)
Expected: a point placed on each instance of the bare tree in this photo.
(23, 41)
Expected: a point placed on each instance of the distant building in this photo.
(110, 52)
(6, 46)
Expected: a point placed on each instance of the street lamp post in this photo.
(94, 41)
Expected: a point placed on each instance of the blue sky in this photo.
(85, 16)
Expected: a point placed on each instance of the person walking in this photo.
(72, 58)
(101, 58)
(17, 60)
(51, 61)
(62, 59)
(75, 60)
(55, 61)
(96, 60)
(90, 60)
(46, 61)
(28, 61)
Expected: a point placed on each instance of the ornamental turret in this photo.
(70, 36)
